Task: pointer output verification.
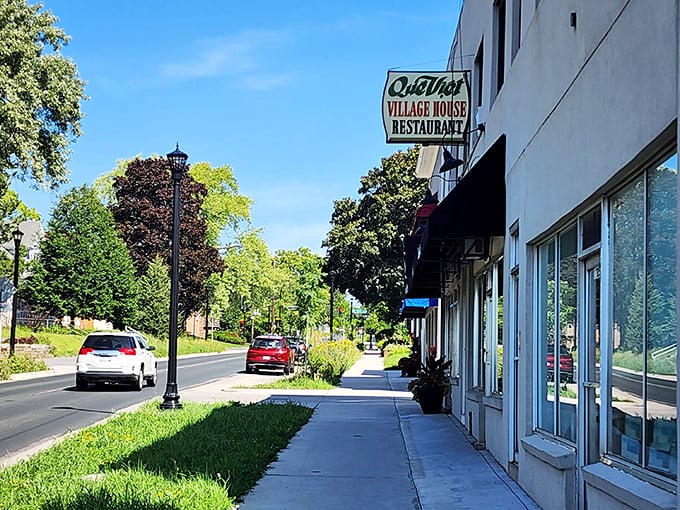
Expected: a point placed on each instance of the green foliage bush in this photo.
(329, 360)
(19, 363)
(393, 354)
(231, 337)
(5, 371)
(664, 365)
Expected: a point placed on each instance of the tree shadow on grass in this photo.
(222, 455)
(102, 499)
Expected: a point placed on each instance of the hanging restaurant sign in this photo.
(426, 107)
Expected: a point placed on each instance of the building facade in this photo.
(553, 248)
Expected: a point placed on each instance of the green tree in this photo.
(366, 240)
(84, 269)
(154, 299)
(13, 211)
(223, 206)
(301, 283)
(246, 281)
(40, 95)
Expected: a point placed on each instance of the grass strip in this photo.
(297, 382)
(201, 456)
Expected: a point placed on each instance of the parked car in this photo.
(566, 364)
(117, 358)
(270, 352)
(300, 347)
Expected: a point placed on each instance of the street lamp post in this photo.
(17, 235)
(332, 275)
(177, 160)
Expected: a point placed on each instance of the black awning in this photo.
(475, 207)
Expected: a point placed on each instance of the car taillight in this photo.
(85, 350)
(128, 350)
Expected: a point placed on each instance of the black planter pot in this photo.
(431, 400)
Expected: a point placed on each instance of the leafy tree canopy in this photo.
(40, 95)
(366, 240)
(223, 206)
(84, 269)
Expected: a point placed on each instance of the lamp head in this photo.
(17, 235)
(449, 162)
(178, 161)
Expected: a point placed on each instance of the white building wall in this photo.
(578, 105)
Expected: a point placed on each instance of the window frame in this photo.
(608, 314)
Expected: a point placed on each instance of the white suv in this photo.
(116, 357)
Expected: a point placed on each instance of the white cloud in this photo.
(239, 54)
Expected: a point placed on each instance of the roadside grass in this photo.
(68, 344)
(201, 456)
(564, 391)
(297, 382)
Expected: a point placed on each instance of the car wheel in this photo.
(139, 383)
(81, 383)
(153, 380)
(249, 370)
(286, 370)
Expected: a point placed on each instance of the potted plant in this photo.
(431, 384)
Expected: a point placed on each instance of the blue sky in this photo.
(288, 93)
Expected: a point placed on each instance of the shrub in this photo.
(18, 364)
(28, 340)
(329, 360)
(231, 337)
(393, 353)
(5, 371)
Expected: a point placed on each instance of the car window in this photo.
(267, 342)
(106, 342)
(142, 343)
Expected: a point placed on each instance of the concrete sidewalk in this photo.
(368, 445)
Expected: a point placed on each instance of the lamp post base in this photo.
(171, 399)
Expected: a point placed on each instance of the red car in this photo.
(566, 364)
(270, 352)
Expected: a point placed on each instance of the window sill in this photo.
(495, 401)
(552, 453)
(628, 489)
(475, 395)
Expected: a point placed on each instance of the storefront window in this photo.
(557, 340)
(643, 407)
(488, 368)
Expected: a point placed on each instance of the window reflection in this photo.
(644, 371)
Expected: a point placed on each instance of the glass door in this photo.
(589, 369)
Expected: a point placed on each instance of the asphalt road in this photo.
(35, 410)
